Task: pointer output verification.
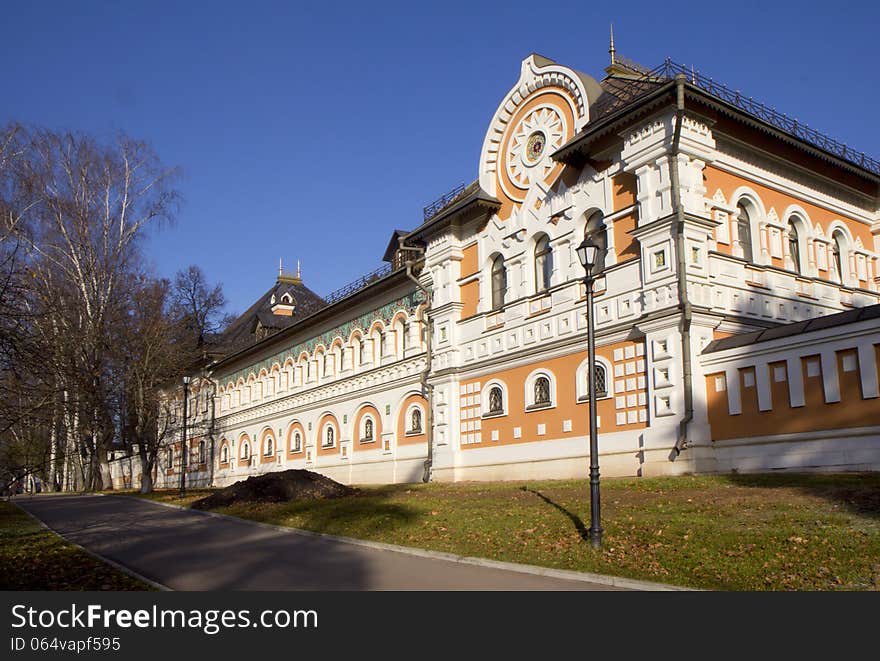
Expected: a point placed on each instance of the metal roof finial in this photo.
(611, 50)
(298, 270)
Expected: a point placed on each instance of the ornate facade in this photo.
(733, 240)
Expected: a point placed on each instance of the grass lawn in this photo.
(731, 532)
(34, 558)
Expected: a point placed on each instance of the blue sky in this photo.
(311, 131)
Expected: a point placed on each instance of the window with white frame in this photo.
(270, 446)
(494, 399)
(794, 246)
(202, 456)
(839, 257)
(543, 264)
(296, 443)
(169, 457)
(597, 232)
(224, 455)
(245, 451)
(499, 282)
(414, 417)
(602, 380)
(368, 431)
(744, 230)
(379, 346)
(540, 390)
(329, 436)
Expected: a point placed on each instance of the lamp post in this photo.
(183, 448)
(588, 253)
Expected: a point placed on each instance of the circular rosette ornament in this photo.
(535, 138)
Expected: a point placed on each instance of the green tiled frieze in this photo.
(409, 303)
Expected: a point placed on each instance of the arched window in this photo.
(543, 264)
(542, 391)
(838, 252)
(499, 282)
(202, 455)
(794, 248)
(224, 455)
(597, 231)
(744, 231)
(362, 351)
(368, 429)
(415, 423)
(601, 381)
(329, 437)
(169, 457)
(245, 451)
(496, 400)
(297, 442)
(380, 346)
(269, 448)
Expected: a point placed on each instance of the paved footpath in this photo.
(191, 550)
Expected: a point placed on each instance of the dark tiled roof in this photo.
(790, 330)
(470, 194)
(241, 332)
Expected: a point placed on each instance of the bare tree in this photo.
(199, 304)
(87, 206)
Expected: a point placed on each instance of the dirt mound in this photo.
(278, 487)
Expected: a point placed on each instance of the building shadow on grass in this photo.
(574, 518)
(858, 493)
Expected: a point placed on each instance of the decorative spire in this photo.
(298, 270)
(280, 270)
(611, 50)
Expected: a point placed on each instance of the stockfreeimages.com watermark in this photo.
(208, 621)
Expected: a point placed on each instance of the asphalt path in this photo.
(191, 550)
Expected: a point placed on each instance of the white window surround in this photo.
(530, 390)
(408, 420)
(581, 389)
(484, 396)
(224, 454)
(324, 428)
(295, 441)
(245, 451)
(362, 432)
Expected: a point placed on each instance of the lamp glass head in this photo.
(587, 252)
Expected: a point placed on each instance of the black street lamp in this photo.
(183, 449)
(588, 254)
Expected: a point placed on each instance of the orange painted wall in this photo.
(625, 243)
(469, 260)
(470, 292)
(728, 183)
(851, 411)
(624, 186)
(567, 407)
(470, 298)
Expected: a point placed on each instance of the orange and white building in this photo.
(736, 314)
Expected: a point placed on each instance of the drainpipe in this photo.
(427, 388)
(684, 303)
